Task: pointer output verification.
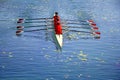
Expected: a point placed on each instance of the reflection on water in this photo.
(33, 56)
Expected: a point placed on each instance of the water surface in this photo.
(33, 56)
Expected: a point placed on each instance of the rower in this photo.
(57, 24)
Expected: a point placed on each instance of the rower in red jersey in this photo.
(57, 24)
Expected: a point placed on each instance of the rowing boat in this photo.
(58, 30)
(57, 25)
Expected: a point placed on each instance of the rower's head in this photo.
(56, 13)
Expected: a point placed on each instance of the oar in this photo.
(78, 27)
(34, 30)
(92, 32)
(22, 27)
(77, 23)
(34, 21)
(74, 20)
(89, 21)
(39, 19)
(21, 20)
(19, 32)
(84, 27)
(80, 31)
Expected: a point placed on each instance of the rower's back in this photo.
(57, 24)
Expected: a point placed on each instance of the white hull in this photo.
(59, 39)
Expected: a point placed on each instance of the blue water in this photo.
(33, 56)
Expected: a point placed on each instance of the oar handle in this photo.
(38, 18)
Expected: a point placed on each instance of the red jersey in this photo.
(57, 25)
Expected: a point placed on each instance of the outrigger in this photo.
(58, 27)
